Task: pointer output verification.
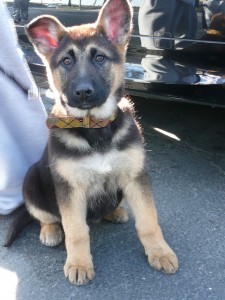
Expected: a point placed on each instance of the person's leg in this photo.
(185, 24)
(24, 10)
(16, 11)
(22, 122)
(155, 18)
(22, 131)
(210, 7)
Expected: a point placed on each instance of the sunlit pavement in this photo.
(186, 159)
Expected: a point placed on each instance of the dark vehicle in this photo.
(176, 53)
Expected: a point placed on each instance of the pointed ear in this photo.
(45, 33)
(115, 18)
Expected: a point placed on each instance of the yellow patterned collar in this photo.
(85, 122)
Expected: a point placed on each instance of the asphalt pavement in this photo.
(186, 160)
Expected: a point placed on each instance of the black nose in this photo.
(83, 91)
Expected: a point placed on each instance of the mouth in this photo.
(83, 106)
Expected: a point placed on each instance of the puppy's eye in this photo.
(67, 61)
(99, 58)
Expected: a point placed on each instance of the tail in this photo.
(22, 219)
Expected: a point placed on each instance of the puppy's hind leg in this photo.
(51, 234)
(39, 196)
(118, 216)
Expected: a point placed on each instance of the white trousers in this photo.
(23, 133)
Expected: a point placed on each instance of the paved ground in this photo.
(188, 180)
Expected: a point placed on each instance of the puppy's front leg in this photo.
(139, 197)
(78, 267)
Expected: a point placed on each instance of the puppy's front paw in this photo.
(79, 275)
(163, 259)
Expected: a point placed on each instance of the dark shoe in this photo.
(16, 21)
(24, 15)
(16, 15)
(23, 22)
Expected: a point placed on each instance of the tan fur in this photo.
(51, 234)
(78, 267)
(119, 215)
(160, 255)
(43, 216)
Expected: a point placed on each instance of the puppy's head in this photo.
(85, 64)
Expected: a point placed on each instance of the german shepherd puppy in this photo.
(86, 171)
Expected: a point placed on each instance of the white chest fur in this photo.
(96, 167)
